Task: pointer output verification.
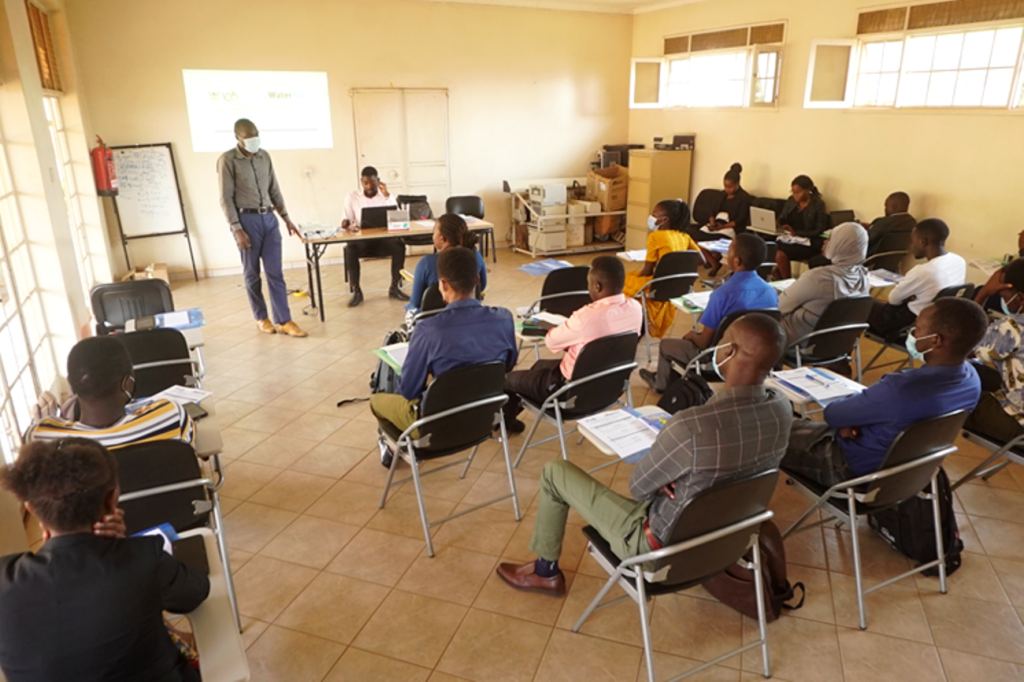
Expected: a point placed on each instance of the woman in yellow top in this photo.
(667, 223)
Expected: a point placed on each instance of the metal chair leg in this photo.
(856, 561)
(762, 622)
(645, 624)
(508, 468)
(222, 545)
(940, 550)
(560, 425)
(526, 443)
(391, 476)
(647, 331)
(469, 460)
(415, 466)
(612, 580)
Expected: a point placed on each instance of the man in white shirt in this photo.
(919, 288)
(374, 193)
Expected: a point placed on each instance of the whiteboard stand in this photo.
(149, 203)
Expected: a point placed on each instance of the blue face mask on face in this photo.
(1005, 305)
(912, 346)
(716, 365)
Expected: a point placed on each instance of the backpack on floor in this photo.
(686, 392)
(384, 379)
(735, 586)
(910, 528)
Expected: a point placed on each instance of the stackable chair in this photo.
(911, 464)
(765, 269)
(472, 205)
(674, 276)
(431, 304)
(704, 206)
(564, 292)
(898, 341)
(715, 530)
(599, 378)
(115, 303)
(458, 412)
(160, 359)
(836, 336)
(162, 482)
(418, 207)
(697, 364)
(890, 253)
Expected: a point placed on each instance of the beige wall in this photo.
(533, 93)
(964, 167)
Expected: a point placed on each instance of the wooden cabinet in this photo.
(654, 175)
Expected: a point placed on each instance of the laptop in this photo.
(844, 216)
(375, 216)
(762, 220)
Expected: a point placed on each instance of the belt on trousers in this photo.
(651, 540)
(261, 210)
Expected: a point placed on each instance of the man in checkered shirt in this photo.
(742, 430)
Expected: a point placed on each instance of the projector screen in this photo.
(290, 108)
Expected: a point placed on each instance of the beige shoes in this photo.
(266, 326)
(291, 329)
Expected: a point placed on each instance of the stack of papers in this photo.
(698, 300)
(782, 284)
(394, 355)
(635, 256)
(550, 319)
(790, 239)
(543, 267)
(428, 224)
(987, 265)
(182, 395)
(721, 246)
(819, 385)
(881, 278)
(625, 431)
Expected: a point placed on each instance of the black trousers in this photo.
(374, 248)
(535, 384)
(888, 320)
(990, 419)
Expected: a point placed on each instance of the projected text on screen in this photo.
(290, 108)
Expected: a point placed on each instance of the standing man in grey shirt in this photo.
(249, 195)
(741, 431)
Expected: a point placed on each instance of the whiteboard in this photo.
(148, 201)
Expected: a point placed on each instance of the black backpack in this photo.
(910, 528)
(686, 392)
(384, 379)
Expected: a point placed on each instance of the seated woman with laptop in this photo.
(804, 218)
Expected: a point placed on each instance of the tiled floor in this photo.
(331, 588)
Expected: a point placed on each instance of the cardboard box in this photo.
(540, 210)
(151, 271)
(551, 225)
(576, 221)
(548, 195)
(576, 235)
(547, 241)
(607, 224)
(583, 206)
(609, 186)
(522, 237)
(588, 234)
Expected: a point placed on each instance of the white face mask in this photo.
(252, 144)
(652, 223)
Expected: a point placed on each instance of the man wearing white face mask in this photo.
(249, 195)
(858, 431)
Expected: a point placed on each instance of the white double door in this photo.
(403, 133)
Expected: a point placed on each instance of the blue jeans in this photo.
(265, 239)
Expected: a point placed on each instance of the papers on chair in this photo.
(550, 319)
(182, 394)
(791, 239)
(635, 256)
(175, 319)
(165, 531)
(470, 220)
(819, 385)
(721, 246)
(698, 300)
(394, 355)
(626, 432)
(782, 284)
(881, 278)
(543, 267)
(988, 265)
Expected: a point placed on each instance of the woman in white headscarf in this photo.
(806, 299)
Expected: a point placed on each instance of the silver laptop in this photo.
(762, 220)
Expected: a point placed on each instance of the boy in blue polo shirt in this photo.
(744, 290)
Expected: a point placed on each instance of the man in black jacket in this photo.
(86, 607)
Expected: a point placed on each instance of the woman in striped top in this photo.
(100, 374)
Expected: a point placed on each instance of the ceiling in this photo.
(606, 6)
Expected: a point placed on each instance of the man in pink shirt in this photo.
(610, 313)
(373, 193)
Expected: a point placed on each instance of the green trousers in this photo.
(618, 519)
(395, 408)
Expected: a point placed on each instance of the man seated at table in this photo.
(610, 313)
(744, 290)
(908, 298)
(858, 430)
(101, 377)
(741, 431)
(374, 193)
(466, 333)
(897, 220)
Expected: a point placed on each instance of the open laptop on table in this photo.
(375, 216)
(763, 220)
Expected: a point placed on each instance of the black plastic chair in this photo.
(674, 276)
(704, 206)
(162, 482)
(160, 359)
(1010, 453)
(714, 531)
(115, 303)
(599, 378)
(836, 336)
(898, 340)
(893, 241)
(697, 365)
(419, 209)
(459, 411)
(564, 292)
(465, 205)
(913, 460)
(886, 260)
(765, 269)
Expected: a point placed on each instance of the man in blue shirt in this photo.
(744, 290)
(466, 333)
(858, 431)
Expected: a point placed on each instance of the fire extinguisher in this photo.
(103, 169)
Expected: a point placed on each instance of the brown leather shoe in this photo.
(522, 577)
(266, 326)
(291, 329)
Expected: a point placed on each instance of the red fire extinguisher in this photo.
(103, 169)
